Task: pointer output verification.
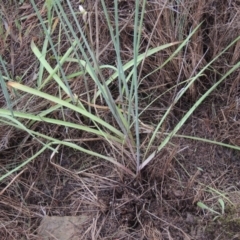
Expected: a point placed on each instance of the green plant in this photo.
(205, 207)
(125, 135)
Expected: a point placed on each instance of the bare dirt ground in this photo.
(162, 202)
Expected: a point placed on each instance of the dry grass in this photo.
(161, 203)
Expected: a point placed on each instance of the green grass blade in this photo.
(65, 143)
(130, 64)
(69, 92)
(85, 45)
(52, 72)
(24, 163)
(39, 118)
(203, 206)
(46, 65)
(43, 55)
(202, 98)
(4, 87)
(66, 104)
(208, 141)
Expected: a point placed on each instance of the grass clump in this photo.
(126, 114)
(119, 82)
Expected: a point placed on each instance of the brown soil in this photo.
(161, 203)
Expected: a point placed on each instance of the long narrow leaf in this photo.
(69, 92)
(46, 65)
(3, 86)
(193, 108)
(139, 59)
(24, 163)
(38, 118)
(66, 104)
(68, 144)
